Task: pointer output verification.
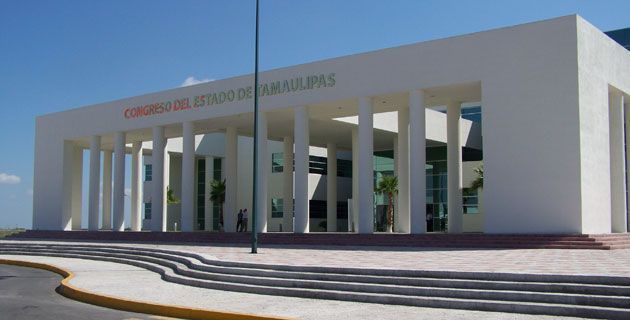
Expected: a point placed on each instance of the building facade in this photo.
(542, 106)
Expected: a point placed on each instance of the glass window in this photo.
(342, 211)
(317, 209)
(148, 172)
(201, 193)
(147, 210)
(470, 201)
(277, 162)
(216, 207)
(317, 165)
(277, 208)
(470, 154)
(216, 175)
(436, 194)
(344, 168)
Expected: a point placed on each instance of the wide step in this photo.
(577, 241)
(600, 297)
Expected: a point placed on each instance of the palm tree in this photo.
(389, 186)
(217, 195)
(478, 182)
(170, 196)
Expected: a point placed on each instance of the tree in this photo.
(478, 182)
(170, 196)
(217, 195)
(389, 186)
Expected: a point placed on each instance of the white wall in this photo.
(530, 132)
(602, 63)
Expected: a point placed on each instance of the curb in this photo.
(72, 292)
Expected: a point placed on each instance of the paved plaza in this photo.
(536, 261)
(139, 284)
(549, 261)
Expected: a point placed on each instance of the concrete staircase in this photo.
(604, 297)
(613, 241)
(577, 241)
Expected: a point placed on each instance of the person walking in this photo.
(244, 223)
(239, 220)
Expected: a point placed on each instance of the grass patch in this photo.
(8, 232)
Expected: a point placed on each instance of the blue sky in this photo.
(57, 55)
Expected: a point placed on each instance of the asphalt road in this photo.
(27, 293)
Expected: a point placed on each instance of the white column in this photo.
(231, 162)
(619, 217)
(208, 212)
(353, 221)
(331, 188)
(454, 167)
(66, 186)
(167, 182)
(136, 186)
(301, 131)
(366, 166)
(77, 188)
(263, 173)
(94, 187)
(627, 121)
(417, 161)
(188, 176)
(106, 202)
(119, 181)
(158, 217)
(396, 227)
(402, 161)
(287, 185)
(395, 151)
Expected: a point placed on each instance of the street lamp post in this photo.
(256, 155)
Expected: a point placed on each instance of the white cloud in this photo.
(9, 179)
(29, 192)
(192, 81)
(127, 192)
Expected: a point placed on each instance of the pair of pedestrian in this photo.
(241, 221)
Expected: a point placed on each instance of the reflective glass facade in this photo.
(436, 188)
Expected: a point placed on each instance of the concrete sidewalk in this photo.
(134, 283)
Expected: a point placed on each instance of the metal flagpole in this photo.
(256, 155)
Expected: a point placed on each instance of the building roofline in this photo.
(263, 72)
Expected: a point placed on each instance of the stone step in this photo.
(407, 289)
(394, 285)
(425, 240)
(234, 266)
(168, 274)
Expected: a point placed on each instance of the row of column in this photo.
(411, 159)
(158, 192)
(410, 164)
(113, 200)
(295, 177)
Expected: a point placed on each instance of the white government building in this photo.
(541, 105)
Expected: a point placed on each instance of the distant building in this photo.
(622, 36)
